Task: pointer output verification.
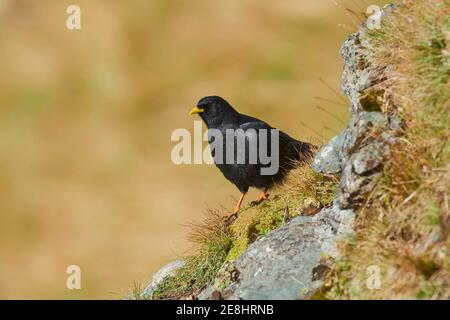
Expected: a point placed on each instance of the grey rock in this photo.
(288, 262)
(328, 159)
(395, 129)
(366, 142)
(333, 156)
(359, 128)
(166, 271)
(353, 188)
(206, 293)
(356, 76)
(371, 157)
(364, 151)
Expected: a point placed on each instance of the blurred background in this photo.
(86, 117)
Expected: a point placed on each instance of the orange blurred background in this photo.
(86, 117)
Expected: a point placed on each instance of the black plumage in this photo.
(219, 115)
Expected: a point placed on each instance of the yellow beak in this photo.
(196, 110)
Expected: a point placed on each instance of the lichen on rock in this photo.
(281, 264)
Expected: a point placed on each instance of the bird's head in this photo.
(214, 110)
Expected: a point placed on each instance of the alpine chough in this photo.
(218, 114)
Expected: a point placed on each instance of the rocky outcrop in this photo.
(292, 261)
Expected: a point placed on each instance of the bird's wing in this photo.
(256, 124)
(289, 148)
(253, 132)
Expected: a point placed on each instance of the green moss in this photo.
(272, 216)
(432, 214)
(372, 101)
(269, 222)
(257, 221)
(325, 191)
(238, 247)
(426, 292)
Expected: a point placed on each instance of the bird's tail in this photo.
(295, 150)
(305, 151)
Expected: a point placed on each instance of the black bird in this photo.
(218, 114)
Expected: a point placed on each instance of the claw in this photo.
(233, 215)
(262, 196)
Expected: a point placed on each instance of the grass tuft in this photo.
(211, 242)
